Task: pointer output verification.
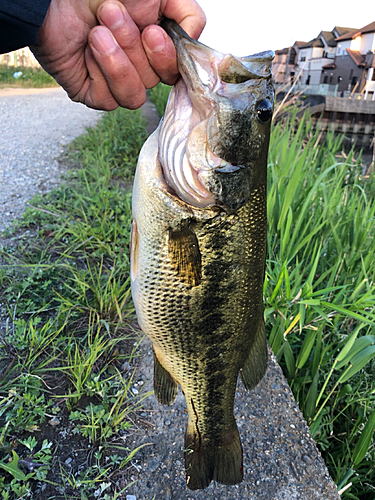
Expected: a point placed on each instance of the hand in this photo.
(112, 64)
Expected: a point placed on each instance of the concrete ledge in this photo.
(345, 105)
(281, 461)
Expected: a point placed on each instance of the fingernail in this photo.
(103, 41)
(155, 40)
(111, 15)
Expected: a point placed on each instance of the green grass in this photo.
(320, 295)
(67, 295)
(69, 333)
(159, 96)
(31, 77)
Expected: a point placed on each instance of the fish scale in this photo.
(197, 271)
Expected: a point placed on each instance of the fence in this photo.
(367, 96)
(22, 57)
(314, 89)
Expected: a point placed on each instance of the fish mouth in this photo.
(189, 127)
(201, 66)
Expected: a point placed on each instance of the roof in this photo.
(329, 38)
(287, 49)
(282, 51)
(299, 43)
(343, 31)
(316, 42)
(357, 58)
(369, 28)
(329, 66)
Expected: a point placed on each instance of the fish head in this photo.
(215, 133)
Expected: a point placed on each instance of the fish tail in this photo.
(206, 460)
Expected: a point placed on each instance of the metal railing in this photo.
(314, 89)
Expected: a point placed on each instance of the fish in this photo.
(198, 246)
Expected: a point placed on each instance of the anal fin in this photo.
(255, 365)
(165, 387)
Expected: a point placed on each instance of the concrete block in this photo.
(281, 460)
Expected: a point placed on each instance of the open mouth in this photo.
(183, 148)
(190, 121)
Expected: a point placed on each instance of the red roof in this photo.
(357, 58)
(282, 51)
(369, 28)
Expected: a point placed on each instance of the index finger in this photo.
(188, 14)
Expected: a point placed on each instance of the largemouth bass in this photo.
(198, 246)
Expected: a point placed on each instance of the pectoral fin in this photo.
(185, 255)
(255, 365)
(165, 387)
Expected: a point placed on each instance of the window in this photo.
(303, 58)
(308, 80)
(373, 75)
(325, 79)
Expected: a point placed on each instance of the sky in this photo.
(244, 27)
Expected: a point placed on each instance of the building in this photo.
(279, 65)
(317, 53)
(353, 68)
(21, 57)
(285, 64)
(335, 65)
(304, 61)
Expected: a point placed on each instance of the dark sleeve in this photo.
(20, 21)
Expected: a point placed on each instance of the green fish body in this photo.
(198, 246)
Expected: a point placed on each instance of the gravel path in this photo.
(35, 125)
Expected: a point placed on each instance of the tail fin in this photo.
(206, 460)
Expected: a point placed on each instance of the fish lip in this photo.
(185, 62)
(223, 67)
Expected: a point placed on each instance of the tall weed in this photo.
(320, 293)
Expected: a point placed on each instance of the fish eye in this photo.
(264, 110)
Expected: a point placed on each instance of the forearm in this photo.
(20, 21)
